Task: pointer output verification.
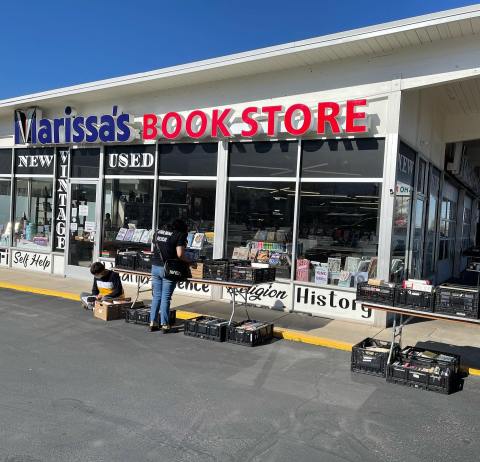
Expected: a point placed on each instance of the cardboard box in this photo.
(197, 273)
(108, 311)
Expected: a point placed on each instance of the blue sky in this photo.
(76, 41)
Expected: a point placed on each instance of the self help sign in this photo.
(35, 261)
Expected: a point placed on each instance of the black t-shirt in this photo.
(167, 242)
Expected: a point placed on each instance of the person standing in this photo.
(169, 243)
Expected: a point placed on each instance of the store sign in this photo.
(34, 161)
(402, 189)
(195, 289)
(296, 120)
(331, 303)
(130, 160)
(273, 295)
(61, 200)
(4, 257)
(31, 128)
(32, 261)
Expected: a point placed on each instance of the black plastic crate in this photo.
(206, 327)
(126, 260)
(269, 274)
(369, 357)
(250, 333)
(142, 316)
(383, 294)
(439, 372)
(144, 262)
(217, 270)
(414, 299)
(457, 301)
(251, 275)
(131, 315)
(246, 274)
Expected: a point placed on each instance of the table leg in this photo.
(394, 328)
(138, 292)
(234, 291)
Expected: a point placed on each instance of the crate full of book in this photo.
(427, 369)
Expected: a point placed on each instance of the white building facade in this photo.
(334, 159)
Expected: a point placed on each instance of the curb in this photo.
(278, 332)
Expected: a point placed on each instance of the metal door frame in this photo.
(73, 270)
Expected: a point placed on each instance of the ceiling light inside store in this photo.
(340, 214)
(264, 168)
(255, 187)
(353, 202)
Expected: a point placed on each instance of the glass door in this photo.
(82, 248)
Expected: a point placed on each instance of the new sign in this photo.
(297, 119)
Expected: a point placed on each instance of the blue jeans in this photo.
(162, 295)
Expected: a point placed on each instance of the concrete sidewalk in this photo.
(445, 335)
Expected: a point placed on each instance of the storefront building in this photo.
(334, 160)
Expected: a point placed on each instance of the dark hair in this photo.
(179, 225)
(97, 268)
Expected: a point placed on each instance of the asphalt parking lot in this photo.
(73, 388)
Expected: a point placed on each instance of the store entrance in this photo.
(84, 218)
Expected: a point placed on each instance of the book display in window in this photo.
(198, 241)
(129, 235)
(121, 234)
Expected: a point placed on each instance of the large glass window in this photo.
(417, 232)
(431, 231)
(260, 223)
(338, 233)
(128, 208)
(5, 224)
(467, 225)
(192, 201)
(5, 161)
(347, 158)
(187, 159)
(84, 163)
(33, 213)
(263, 159)
(447, 229)
(402, 211)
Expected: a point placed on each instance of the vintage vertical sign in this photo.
(61, 200)
(4, 257)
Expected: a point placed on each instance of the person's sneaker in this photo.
(153, 328)
(165, 328)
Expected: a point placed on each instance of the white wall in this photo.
(422, 125)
